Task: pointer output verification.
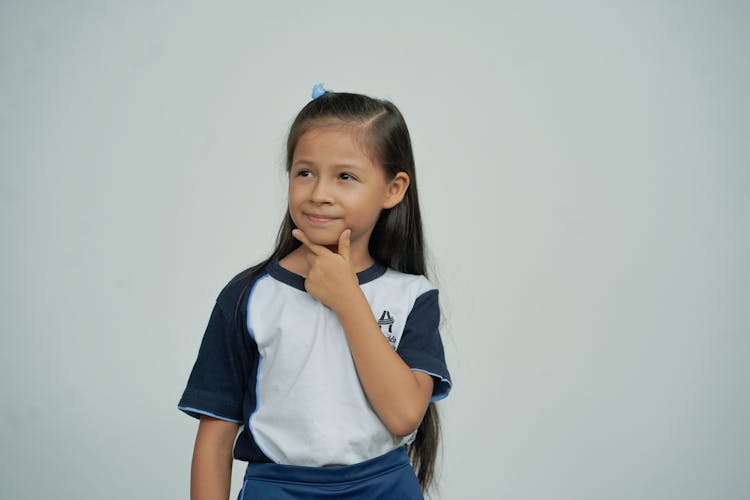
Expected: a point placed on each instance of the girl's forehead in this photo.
(333, 140)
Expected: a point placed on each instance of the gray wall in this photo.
(584, 175)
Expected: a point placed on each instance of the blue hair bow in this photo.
(318, 90)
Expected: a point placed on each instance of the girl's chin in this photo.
(325, 238)
(326, 242)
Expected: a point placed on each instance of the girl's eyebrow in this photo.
(349, 166)
(303, 161)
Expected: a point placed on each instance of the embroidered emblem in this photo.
(387, 320)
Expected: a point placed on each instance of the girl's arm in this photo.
(398, 395)
(211, 471)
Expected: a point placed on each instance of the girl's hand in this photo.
(331, 278)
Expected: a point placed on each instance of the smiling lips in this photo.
(320, 219)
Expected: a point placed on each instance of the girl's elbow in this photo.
(400, 430)
(404, 425)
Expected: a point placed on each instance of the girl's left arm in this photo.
(398, 395)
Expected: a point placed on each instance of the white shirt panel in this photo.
(311, 408)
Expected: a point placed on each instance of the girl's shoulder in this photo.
(415, 282)
(240, 283)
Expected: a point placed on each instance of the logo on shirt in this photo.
(387, 320)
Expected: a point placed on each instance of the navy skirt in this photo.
(387, 477)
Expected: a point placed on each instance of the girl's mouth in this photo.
(320, 219)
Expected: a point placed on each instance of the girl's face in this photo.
(334, 185)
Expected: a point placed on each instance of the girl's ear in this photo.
(396, 190)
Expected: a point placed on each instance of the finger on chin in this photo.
(345, 242)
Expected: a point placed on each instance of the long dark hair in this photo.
(396, 241)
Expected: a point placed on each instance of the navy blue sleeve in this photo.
(217, 383)
(421, 347)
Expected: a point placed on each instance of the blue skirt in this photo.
(387, 477)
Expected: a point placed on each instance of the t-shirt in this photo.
(276, 361)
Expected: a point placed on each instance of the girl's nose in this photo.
(321, 192)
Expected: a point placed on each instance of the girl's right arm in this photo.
(211, 472)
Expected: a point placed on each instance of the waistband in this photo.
(335, 474)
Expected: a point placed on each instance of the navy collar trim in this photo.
(298, 281)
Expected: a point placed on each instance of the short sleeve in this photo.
(420, 345)
(217, 382)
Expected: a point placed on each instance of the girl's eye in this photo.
(347, 177)
(304, 173)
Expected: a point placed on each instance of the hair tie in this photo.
(318, 90)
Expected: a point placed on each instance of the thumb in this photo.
(345, 243)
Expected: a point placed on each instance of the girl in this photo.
(328, 353)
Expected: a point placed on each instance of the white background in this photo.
(584, 172)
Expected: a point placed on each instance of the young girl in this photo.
(328, 353)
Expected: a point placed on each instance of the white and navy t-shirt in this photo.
(277, 361)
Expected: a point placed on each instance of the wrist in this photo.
(349, 303)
